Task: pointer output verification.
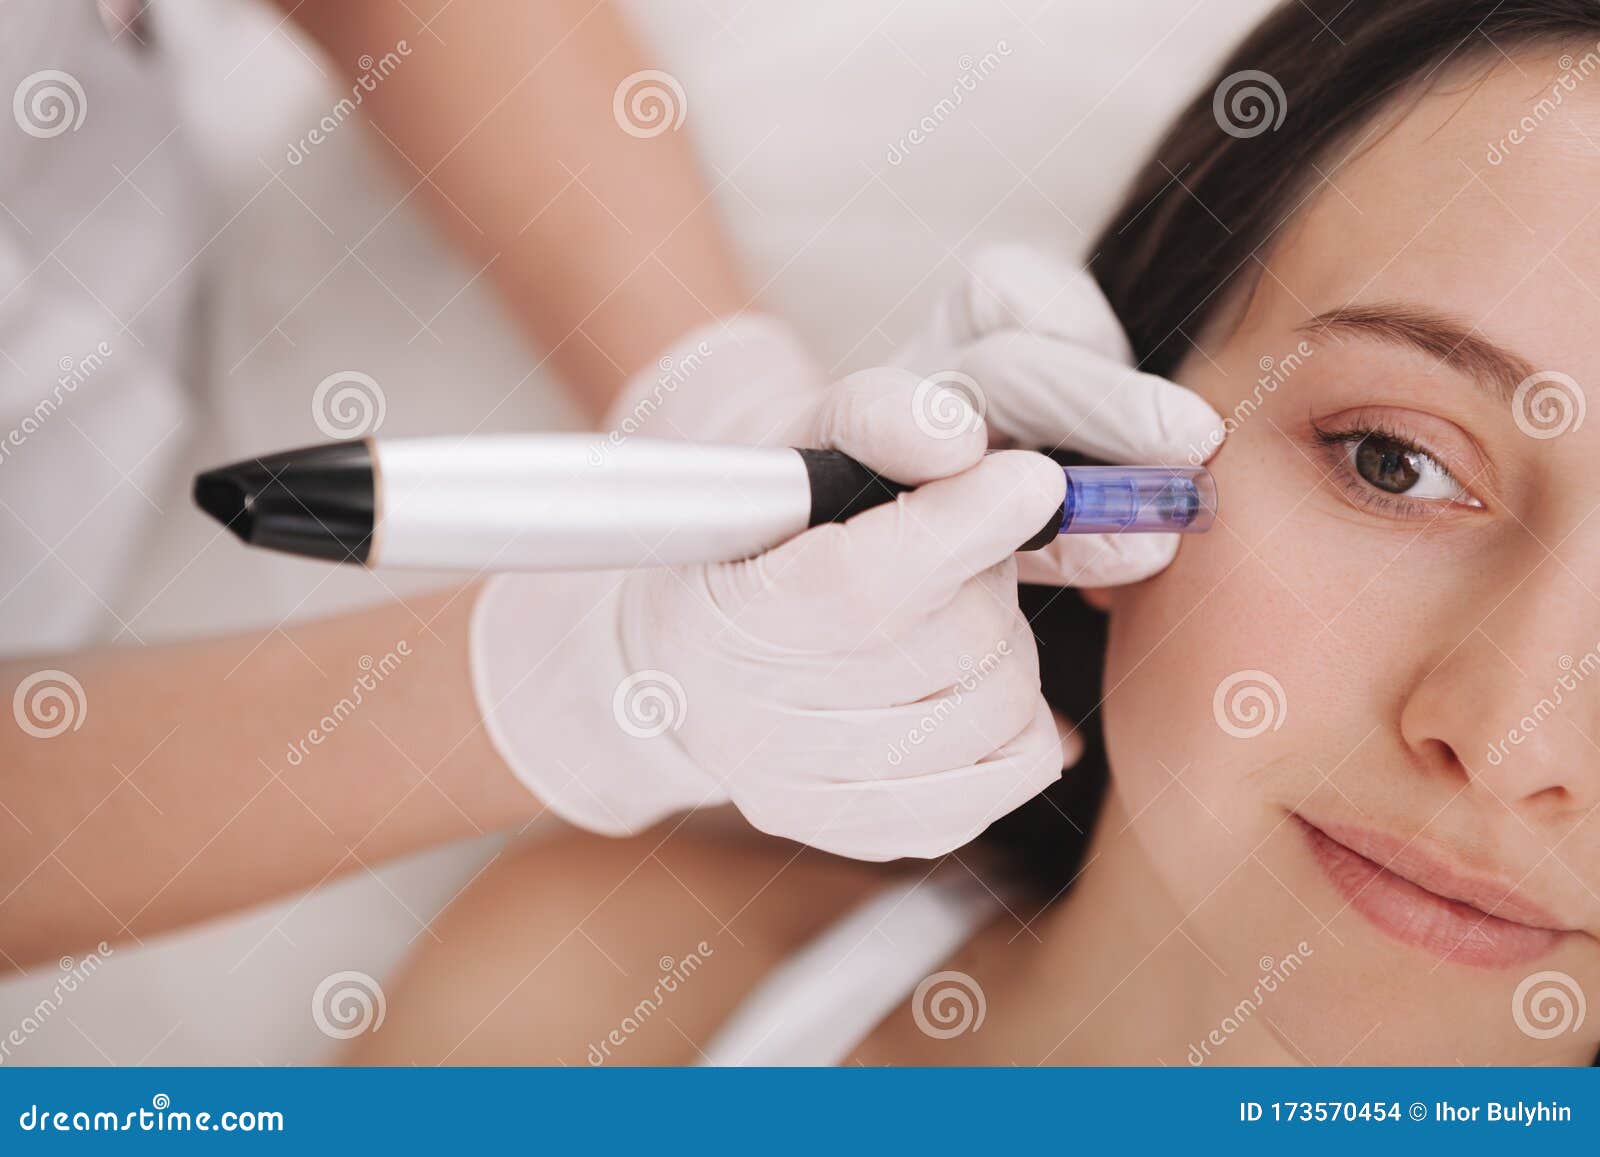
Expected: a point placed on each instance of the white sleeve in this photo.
(99, 237)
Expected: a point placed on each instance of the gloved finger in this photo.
(904, 559)
(980, 623)
(989, 702)
(888, 672)
(1098, 560)
(953, 808)
(818, 642)
(959, 725)
(1071, 741)
(891, 663)
(1054, 394)
(744, 378)
(973, 719)
(904, 427)
(924, 817)
(1016, 286)
(824, 663)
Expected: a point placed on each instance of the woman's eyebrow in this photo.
(1447, 338)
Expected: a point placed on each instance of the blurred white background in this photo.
(795, 110)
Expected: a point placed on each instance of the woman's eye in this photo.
(1395, 468)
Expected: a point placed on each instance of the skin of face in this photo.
(1402, 645)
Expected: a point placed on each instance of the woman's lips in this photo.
(1393, 885)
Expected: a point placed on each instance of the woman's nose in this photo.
(1514, 708)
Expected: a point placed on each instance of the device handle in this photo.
(842, 488)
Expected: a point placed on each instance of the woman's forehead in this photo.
(1479, 197)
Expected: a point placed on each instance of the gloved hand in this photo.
(1037, 348)
(1026, 346)
(869, 688)
(865, 751)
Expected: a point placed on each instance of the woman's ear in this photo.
(1097, 597)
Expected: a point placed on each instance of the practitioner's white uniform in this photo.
(100, 254)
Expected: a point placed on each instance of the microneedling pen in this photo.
(575, 502)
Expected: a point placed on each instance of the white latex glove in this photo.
(1036, 342)
(869, 688)
(750, 379)
(772, 682)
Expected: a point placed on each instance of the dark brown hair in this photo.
(1174, 245)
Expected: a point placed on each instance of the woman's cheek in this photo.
(1216, 676)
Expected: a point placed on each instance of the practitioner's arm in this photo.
(196, 778)
(604, 244)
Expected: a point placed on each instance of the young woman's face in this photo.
(1363, 712)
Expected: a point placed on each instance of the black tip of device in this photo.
(221, 494)
(320, 501)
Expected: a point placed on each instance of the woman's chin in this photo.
(1313, 953)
